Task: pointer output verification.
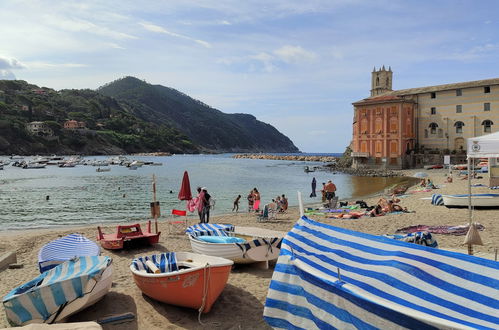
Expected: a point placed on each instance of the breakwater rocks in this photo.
(365, 171)
(324, 159)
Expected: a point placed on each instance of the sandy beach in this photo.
(240, 306)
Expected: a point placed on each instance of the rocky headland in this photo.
(303, 158)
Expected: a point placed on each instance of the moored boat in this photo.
(182, 278)
(477, 200)
(64, 249)
(100, 169)
(242, 245)
(127, 234)
(60, 292)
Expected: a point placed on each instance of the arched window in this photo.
(377, 81)
(459, 126)
(378, 126)
(379, 147)
(394, 147)
(433, 128)
(393, 124)
(487, 126)
(363, 146)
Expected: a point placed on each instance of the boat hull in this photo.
(187, 287)
(477, 200)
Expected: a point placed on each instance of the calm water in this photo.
(81, 196)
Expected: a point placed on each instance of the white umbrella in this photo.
(420, 175)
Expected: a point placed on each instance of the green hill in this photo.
(125, 116)
(207, 127)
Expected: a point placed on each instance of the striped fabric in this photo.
(43, 297)
(436, 199)
(271, 243)
(210, 229)
(65, 248)
(420, 237)
(166, 262)
(329, 277)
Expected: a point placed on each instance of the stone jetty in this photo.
(304, 158)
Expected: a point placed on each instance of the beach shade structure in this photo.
(64, 249)
(185, 189)
(314, 185)
(330, 277)
(420, 175)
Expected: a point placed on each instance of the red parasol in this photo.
(185, 190)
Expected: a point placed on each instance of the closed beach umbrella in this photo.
(420, 175)
(314, 185)
(185, 190)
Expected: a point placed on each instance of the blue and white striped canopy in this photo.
(329, 277)
(43, 297)
(65, 248)
(210, 229)
(166, 262)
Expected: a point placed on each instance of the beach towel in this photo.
(445, 230)
(209, 229)
(420, 237)
(334, 278)
(437, 199)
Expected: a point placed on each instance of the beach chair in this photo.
(264, 214)
(177, 224)
(273, 211)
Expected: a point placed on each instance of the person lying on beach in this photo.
(377, 211)
(423, 183)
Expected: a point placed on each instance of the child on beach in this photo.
(250, 201)
(236, 204)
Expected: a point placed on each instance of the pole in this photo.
(154, 203)
(300, 204)
(470, 247)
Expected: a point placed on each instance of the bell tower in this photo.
(381, 81)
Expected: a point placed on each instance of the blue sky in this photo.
(297, 65)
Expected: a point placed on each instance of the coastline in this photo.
(245, 293)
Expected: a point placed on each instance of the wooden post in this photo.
(154, 201)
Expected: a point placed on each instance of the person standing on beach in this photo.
(205, 216)
(199, 204)
(284, 202)
(250, 201)
(256, 200)
(323, 191)
(330, 189)
(236, 204)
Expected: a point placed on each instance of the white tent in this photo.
(485, 146)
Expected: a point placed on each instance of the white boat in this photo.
(60, 292)
(477, 200)
(100, 169)
(137, 163)
(33, 165)
(250, 244)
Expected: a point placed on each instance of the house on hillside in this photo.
(389, 125)
(74, 125)
(39, 128)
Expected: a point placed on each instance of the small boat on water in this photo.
(60, 292)
(100, 169)
(243, 245)
(65, 248)
(33, 165)
(182, 278)
(477, 200)
(128, 234)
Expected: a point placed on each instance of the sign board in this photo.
(447, 160)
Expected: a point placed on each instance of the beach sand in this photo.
(240, 305)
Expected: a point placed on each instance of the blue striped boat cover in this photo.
(436, 199)
(383, 283)
(42, 297)
(271, 243)
(65, 248)
(166, 262)
(209, 229)
(420, 237)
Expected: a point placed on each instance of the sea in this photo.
(55, 197)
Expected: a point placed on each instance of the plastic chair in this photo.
(177, 224)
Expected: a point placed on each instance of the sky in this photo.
(297, 65)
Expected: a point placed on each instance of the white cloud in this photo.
(47, 65)
(10, 63)
(294, 54)
(160, 29)
(81, 25)
(266, 59)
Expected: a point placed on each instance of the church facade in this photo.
(389, 125)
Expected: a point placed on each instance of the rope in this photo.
(206, 283)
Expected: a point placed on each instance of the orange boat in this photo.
(129, 233)
(182, 278)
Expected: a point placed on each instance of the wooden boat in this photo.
(65, 248)
(183, 279)
(127, 234)
(477, 200)
(60, 292)
(255, 245)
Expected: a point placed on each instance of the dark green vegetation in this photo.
(125, 116)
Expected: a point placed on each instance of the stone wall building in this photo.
(39, 128)
(390, 125)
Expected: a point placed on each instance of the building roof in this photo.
(384, 98)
